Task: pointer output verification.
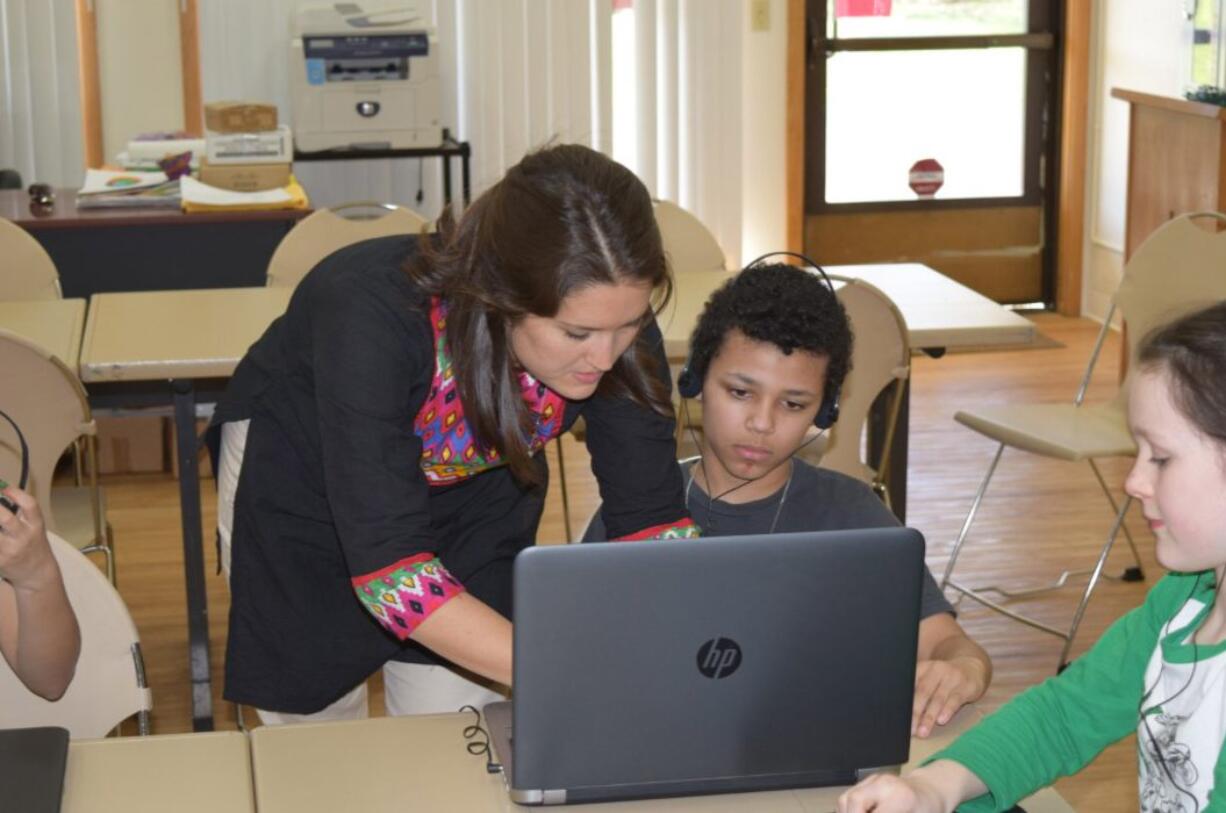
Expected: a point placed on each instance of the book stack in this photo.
(107, 189)
(145, 152)
(246, 150)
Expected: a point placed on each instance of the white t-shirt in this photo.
(1183, 717)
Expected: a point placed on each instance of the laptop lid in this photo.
(718, 664)
(32, 763)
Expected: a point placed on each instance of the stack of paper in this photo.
(108, 189)
(200, 197)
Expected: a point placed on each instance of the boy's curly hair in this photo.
(787, 306)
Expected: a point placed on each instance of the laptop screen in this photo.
(32, 763)
(714, 664)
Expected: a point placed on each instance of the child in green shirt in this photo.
(1161, 669)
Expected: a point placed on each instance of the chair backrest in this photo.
(27, 271)
(324, 232)
(881, 355)
(109, 684)
(49, 405)
(1179, 268)
(689, 245)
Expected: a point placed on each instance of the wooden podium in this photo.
(1176, 161)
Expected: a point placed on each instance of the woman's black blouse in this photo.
(331, 488)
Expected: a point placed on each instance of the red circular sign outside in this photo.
(926, 177)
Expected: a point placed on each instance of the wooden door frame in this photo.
(91, 85)
(189, 58)
(1074, 94)
(88, 82)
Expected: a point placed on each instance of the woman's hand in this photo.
(25, 554)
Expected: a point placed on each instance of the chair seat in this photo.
(74, 516)
(1063, 431)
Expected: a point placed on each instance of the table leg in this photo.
(465, 178)
(446, 182)
(878, 421)
(193, 554)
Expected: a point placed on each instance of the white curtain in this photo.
(40, 100)
(515, 74)
(687, 106)
(530, 72)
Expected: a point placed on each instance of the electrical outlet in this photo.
(759, 15)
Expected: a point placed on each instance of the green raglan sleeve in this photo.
(1054, 729)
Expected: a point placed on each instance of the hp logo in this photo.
(719, 658)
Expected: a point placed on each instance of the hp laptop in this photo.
(703, 666)
(32, 763)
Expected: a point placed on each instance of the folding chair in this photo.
(881, 358)
(52, 409)
(1179, 268)
(326, 231)
(109, 685)
(27, 271)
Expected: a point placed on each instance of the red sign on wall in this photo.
(926, 177)
(862, 8)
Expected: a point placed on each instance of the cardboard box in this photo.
(245, 177)
(265, 147)
(130, 445)
(239, 117)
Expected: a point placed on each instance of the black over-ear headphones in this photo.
(24, 479)
(689, 382)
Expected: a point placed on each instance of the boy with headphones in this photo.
(768, 357)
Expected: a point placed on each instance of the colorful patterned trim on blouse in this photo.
(449, 452)
(681, 529)
(403, 595)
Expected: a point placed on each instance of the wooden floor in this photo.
(1038, 518)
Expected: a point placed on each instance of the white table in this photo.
(395, 764)
(185, 773)
(940, 314)
(178, 338)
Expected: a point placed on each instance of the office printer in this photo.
(364, 78)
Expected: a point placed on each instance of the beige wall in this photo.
(138, 69)
(1138, 46)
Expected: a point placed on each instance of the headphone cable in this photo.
(1144, 713)
(702, 462)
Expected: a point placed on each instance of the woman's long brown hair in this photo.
(564, 218)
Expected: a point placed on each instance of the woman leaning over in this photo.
(381, 445)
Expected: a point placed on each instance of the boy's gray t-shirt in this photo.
(817, 500)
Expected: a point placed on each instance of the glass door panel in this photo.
(887, 110)
(851, 19)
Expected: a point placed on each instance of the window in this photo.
(959, 92)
